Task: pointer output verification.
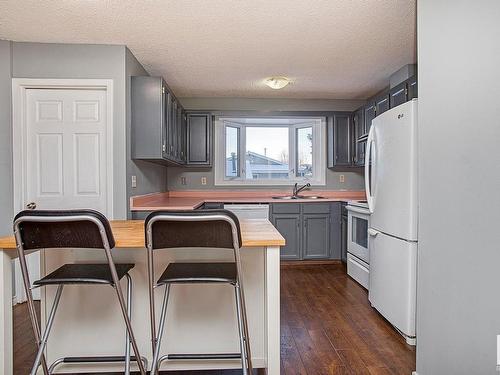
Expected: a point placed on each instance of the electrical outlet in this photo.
(183, 180)
(134, 181)
(203, 180)
(342, 178)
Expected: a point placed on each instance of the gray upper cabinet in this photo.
(369, 114)
(382, 104)
(289, 227)
(412, 87)
(399, 94)
(316, 238)
(151, 120)
(340, 140)
(199, 139)
(163, 132)
(359, 132)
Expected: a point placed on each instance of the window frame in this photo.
(318, 157)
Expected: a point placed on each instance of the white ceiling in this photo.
(338, 49)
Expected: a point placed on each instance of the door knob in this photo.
(31, 206)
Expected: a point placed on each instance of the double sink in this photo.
(286, 197)
(295, 193)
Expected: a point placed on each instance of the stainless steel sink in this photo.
(286, 197)
(310, 197)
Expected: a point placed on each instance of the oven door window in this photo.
(360, 231)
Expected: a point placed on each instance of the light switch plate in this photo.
(342, 178)
(183, 180)
(203, 180)
(134, 181)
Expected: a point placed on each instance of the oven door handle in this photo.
(362, 211)
(373, 232)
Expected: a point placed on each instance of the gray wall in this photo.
(458, 301)
(150, 177)
(6, 205)
(44, 60)
(354, 179)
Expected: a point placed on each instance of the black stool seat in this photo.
(199, 273)
(84, 274)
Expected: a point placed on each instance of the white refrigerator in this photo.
(391, 189)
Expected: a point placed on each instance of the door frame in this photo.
(19, 139)
(19, 130)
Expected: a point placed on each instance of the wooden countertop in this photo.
(130, 234)
(190, 200)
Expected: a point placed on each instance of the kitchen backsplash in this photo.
(353, 180)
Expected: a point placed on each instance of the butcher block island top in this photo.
(130, 234)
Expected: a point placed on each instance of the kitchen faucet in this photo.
(296, 190)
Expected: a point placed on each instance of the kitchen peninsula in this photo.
(202, 320)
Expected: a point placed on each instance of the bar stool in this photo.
(85, 229)
(196, 229)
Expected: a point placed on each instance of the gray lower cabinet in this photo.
(335, 230)
(316, 237)
(289, 226)
(343, 241)
(343, 234)
(199, 139)
(311, 230)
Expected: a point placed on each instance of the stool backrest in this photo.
(41, 229)
(199, 228)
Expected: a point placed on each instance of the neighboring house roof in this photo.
(261, 164)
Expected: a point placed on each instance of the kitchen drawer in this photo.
(358, 270)
(316, 208)
(286, 208)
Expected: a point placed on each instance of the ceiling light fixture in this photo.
(277, 83)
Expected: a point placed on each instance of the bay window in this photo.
(272, 151)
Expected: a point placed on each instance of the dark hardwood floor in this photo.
(327, 327)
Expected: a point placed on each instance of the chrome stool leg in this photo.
(31, 309)
(243, 348)
(127, 337)
(245, 322)
(154, 364)
(128, 324)
(43, 341)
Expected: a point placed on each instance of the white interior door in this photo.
(64, 156)
(65, 153)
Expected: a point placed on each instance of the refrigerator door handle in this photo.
(373, 232)
(369, 197)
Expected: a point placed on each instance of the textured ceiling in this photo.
(330, 48)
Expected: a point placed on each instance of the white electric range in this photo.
(358, 251)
